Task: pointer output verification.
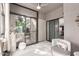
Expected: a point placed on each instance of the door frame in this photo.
(37, 15)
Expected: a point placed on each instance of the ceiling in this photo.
(46, 7)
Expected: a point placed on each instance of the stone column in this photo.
(7, 14)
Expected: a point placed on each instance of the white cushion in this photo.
(64, 46)
(22, 45)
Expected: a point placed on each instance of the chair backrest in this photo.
(62, 42)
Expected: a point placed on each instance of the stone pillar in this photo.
(7, 14)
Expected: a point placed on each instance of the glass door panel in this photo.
(33, 30)
(56, 28)
(27, 32)
(51, 30)
(30, 30)
(20, 29)
(47, 30)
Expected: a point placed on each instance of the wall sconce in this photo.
(77, 20)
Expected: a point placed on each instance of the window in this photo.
(2, 20)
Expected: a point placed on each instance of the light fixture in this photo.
(38, 6)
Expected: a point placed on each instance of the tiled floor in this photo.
(40, 49)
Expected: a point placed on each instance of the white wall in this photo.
(41, 27)
(55, 14)
(71, 11)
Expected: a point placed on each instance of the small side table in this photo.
(76, 53)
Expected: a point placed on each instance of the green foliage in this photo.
(21, 24)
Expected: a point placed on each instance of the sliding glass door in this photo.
(56, 26)
(55, 29)
(52, 29)
(25, 28)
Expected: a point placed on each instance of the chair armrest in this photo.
(60, 51)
